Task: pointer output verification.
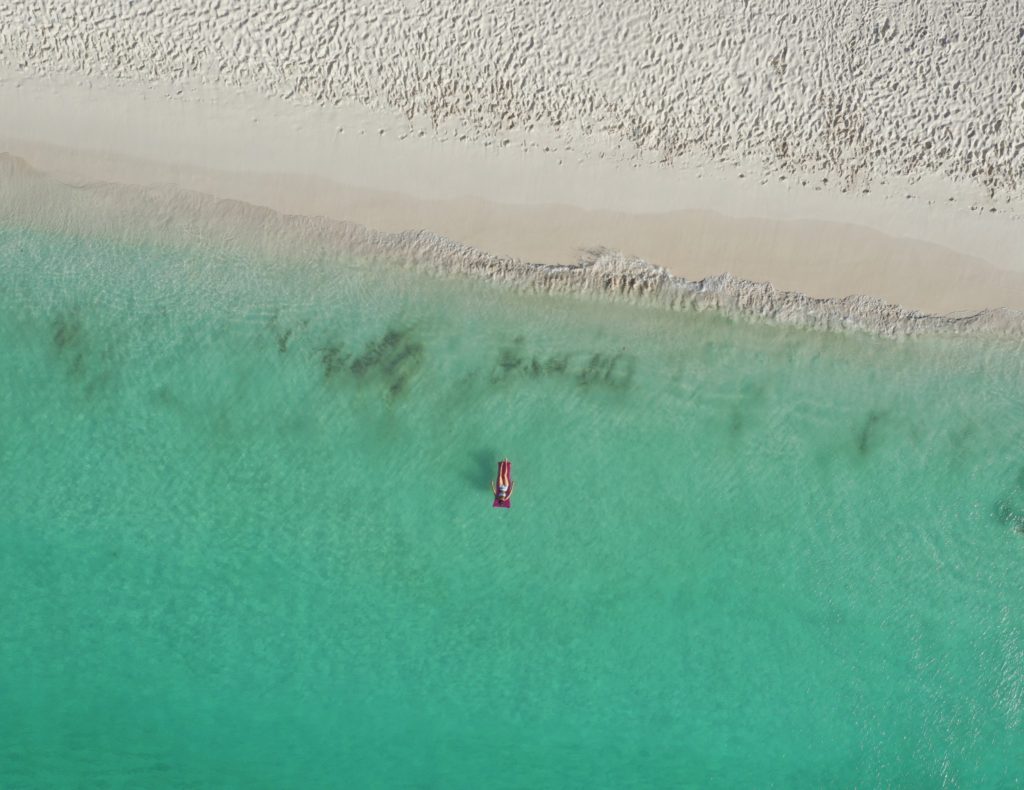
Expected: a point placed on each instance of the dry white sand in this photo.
(830, 148)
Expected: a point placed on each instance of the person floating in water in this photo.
(503, 488)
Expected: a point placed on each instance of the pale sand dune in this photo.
(830, 148)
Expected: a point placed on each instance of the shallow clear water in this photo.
(248, 538)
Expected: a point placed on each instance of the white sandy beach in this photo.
(871, 152)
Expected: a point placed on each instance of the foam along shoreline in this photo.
(170, 215)
(524, 203)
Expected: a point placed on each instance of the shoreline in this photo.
(529, 205)
(171, 215)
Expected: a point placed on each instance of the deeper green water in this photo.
(247, 538)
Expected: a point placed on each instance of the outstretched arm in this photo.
(495, 490)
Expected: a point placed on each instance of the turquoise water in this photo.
(248, 540)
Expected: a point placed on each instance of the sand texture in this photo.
(860, 91)
(835, 149)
